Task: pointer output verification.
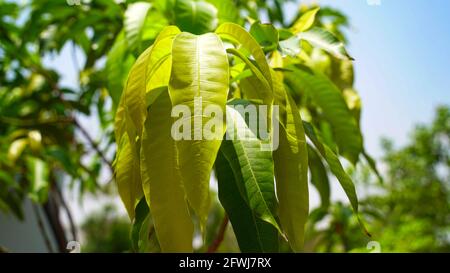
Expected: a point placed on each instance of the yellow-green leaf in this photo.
(161, 180)
(199, 70)
(305, 21)
(291, 168)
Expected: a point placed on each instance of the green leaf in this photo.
(134, 21)
(305, 21)
(161, 180)
(199, 71)
(141, 213)
(335, 165)
(132, 111)
(118, 64)
(291, 168)
(197, 17)
(127, 174)
(239, 35)
(325, 40)
(319, 177)
(252, 234)
(248, 158)
(332, 104)
(16, 148)
(266, 35)
(227, 11)
(38, 176)
(290, 47)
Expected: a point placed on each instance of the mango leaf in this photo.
(38, 177)
(328, 97)
(131, 114)
(134, 21)
(336, 168)
(255, 165)
(118, 64)
(291, 167)
(127, 175)
(227, 11)
(199, 79)
(239, 35)
(325, 40)
(266, 35)
(319, 177)
(305, 21)
(141, 213)
(252, 234)
(290, 47)
(161, 180)
(16, 148)
(196, 17)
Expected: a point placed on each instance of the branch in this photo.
(42, 229)
(68, 213)
(93, 144)
(220, 235)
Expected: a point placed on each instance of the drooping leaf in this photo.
(161, 180)
(266, 35)
(128, 174)
(226, 11)
(199, 80)
(118, 64)
(325, 40)
(335, 165)
(253, 234)
(39, 179)
(131, 114)
(196, 17)
(305, 21)
(332, 104)
(248, 158)
(134, 21)
(291, 167)
(319, 177)
(239, 35)
(16, 148)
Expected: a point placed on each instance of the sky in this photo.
(402, 66)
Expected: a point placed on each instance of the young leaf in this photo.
(328, 97)
(39, 179)
(199, 71)
(196, 17)
(252, 234)
(239, 35)
(247, 158)
(161, 180)
(291, 168)
(319, 177)
(266, 35)
(335, 165)
(134, 21)
(325, 40)
(127, 174)
(305, 21)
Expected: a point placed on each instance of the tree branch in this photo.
(42, 229)
(220, 235)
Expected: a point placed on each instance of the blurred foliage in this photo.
(410, 211)
(106, 231)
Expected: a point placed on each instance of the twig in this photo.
(42, 229)
(93, 144)
(68, 213)
(220, 235)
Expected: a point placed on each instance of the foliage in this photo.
(409, 212)
(141, 59)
